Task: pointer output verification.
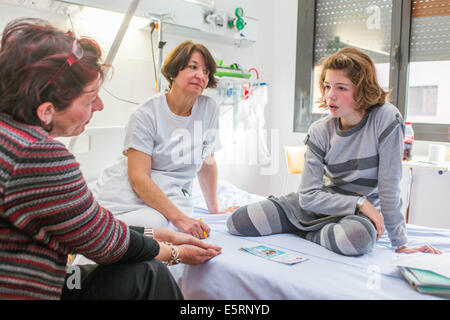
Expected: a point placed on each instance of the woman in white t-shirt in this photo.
(170, 139)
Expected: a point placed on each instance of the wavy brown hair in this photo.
(31, 52)
(361, 71)
(179, 58)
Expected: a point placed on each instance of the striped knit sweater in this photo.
(341, 166)
(47, 212)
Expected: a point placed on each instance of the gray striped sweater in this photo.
(340, 166)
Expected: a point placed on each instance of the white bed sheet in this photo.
(238, 275)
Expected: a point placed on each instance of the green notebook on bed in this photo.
(427, 281)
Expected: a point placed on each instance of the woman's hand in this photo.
(191, 226)
(191, 250)
(191, 254)
(375, 216)
(179, 238)
(425, 248)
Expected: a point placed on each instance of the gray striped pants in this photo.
(353, 235)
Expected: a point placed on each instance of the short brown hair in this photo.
(179, 58)
(361, 71)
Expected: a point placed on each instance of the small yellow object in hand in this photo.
(204, 232)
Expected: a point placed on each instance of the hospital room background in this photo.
(262, 42)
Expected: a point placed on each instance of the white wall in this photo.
(133, 73)
(134, 80)
(283, 54)
(273, 55)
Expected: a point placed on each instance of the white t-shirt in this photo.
(178, 146)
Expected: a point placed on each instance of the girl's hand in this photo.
(425, 248)
(376, 217)
(179, 238)
(193, 255)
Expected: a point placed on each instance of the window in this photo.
(409, 41)
(422, 103)
(429, 63)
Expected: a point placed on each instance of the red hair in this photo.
(31, 52)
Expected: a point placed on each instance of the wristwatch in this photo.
(360, 201)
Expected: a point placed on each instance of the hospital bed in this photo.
(324, 275)
(237, 275)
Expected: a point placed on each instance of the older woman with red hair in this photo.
(49, 84)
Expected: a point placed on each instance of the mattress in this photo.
(238, 275)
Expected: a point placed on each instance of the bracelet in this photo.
(175, 256)
(360, 201)
(148, 232)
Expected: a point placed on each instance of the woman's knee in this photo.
(238, 222)
(351, 236)
(145, 217)
(165, 288)
(149, 280)
(258, 219)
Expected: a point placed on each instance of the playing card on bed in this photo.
(274, 254)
